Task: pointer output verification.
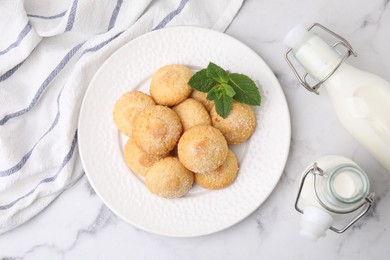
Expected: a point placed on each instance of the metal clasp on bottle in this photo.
(316, 171)
(342, 42)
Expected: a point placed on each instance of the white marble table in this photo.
(78, 225)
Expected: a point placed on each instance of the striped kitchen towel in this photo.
(49, 51)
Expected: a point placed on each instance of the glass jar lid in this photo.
(348, 184)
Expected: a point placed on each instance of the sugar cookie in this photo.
(127, 107)
(220, 178)
(138, 160)
(169, 85)
(157, 130)
(168, 178)
(202, 149)
(192, 113)
(238, 126)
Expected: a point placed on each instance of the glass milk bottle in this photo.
(331, 191)
(360, 99)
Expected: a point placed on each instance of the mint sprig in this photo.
(222, 87)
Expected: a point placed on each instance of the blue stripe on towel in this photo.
(25, 158)
(171, 15)
(115, 14)
(71, 17)
(100, 45)
(10, 72)
(47, 17)
(19, 39)
(44, 85)
(66, 159)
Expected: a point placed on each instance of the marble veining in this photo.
(79, 226)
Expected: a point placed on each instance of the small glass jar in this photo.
(337, 190)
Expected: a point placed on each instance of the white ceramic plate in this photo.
(261, 159)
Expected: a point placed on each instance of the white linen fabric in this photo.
(49, 52)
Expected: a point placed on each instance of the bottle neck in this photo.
(316, 56)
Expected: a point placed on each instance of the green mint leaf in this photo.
(223, 105)
(217, 73)
(246, 90)
(220, 94)
(216, 92)
(201, 82)
(228, 90)
(212, 95)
